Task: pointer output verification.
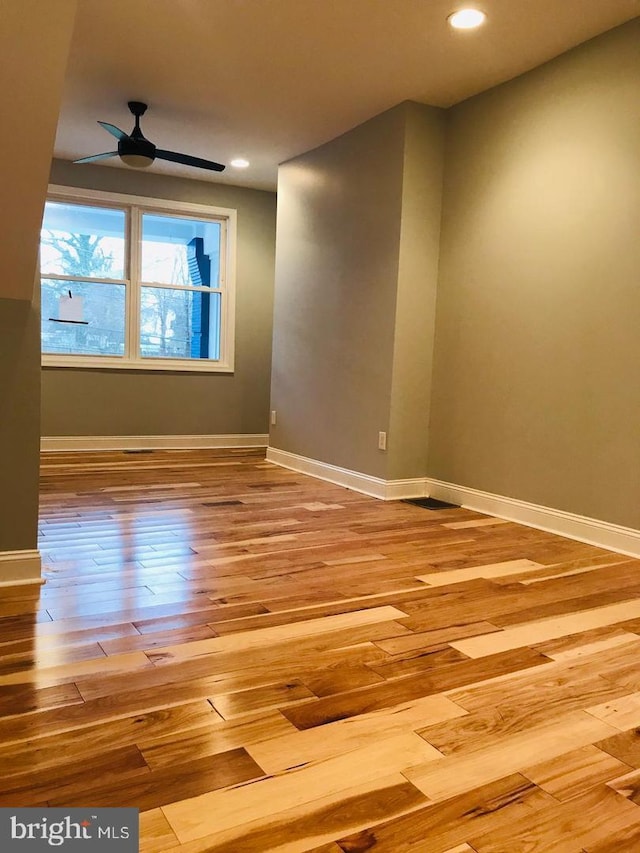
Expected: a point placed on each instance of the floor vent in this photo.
(137, 451)
(430, 503)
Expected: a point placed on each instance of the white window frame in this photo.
(227, 284)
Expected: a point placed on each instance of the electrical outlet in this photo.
(382, 441)
(273, 417)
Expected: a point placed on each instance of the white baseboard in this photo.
(397, 490)
(375, 487)
(603, 534)
(18, 568)
(372, 486)
(151, 442)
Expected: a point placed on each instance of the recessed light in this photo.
(239, 163)
(467, 19)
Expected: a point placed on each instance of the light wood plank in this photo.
(429, 639)
(585, 820)
(590, 648)
(494, 570)
(455, 775)
(438, 827)
(296, 829)
(481, 522)
(52, 675)
(318, 744)
(156, 835)
(221, 810)
(627, 785)
(547, 629)
(575, 772)
(281, 633)
(198, 741)
(624, 746)
(622, 713)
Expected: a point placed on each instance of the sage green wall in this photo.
(356, 273)
(338, 235)
(536, 393)
(34, 45)
(416, 292)
(120, 402)
(19, 423)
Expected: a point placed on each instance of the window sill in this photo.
(107, 363)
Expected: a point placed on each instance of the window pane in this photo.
(84, 241)
(179, 323)
(103, 307)
(180, 251)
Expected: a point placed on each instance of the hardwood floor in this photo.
(260, 661)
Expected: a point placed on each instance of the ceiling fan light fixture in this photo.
(137, 161)
(466, 19)
(240, 163)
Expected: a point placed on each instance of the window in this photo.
(136, 283)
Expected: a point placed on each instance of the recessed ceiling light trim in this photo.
(467, 19)
(240, 163)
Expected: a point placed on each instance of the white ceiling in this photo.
(270, 79)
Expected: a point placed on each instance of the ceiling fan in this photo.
(135, 150)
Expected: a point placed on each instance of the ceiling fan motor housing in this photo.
(136, 146)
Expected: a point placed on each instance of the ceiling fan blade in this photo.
(187, 160)
(95, 157)
(113, 130)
